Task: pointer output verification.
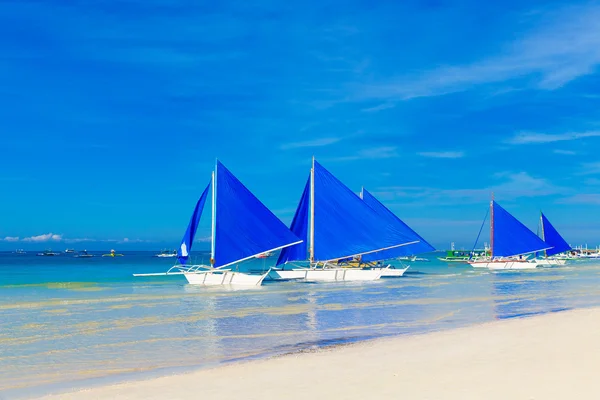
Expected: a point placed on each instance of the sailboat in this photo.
(336, 226)
(510, 242)
(407, 252)
(242, 228)
(559, 245)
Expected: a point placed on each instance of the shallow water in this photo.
(68, 322)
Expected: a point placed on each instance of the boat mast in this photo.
(312, 213)
(492, 227)
(543, 234)
(362, 190)
(214, 210)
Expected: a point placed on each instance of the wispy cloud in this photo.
(565, 152)
(562, 45)
(47, 237)
(582, 198)
(590, 168)
(535, 137)
(10, 239)
(370, 153)
(310, 143)
(511, 185)
(381, 107)
(442, 154)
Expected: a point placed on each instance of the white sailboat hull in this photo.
(392, 272)
(216, 278)
(502, 265)
(548, 261)
(287, 274)
(342, 275)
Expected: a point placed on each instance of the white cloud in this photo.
(381, 107)
(310, 143)
(370, 153)
(534, 137)
(44, 238)
(591, 168)
(562, 45)
(10, 239)
(442, 154)
(582, 198)
(565, 152)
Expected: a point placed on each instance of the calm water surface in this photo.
(71, 322)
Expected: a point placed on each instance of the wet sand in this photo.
(551, 356)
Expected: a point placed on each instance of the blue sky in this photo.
(113, 112)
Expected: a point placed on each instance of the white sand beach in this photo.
(553, 356)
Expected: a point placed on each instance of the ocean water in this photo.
(70, 322)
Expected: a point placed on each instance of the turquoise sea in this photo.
(73, 322)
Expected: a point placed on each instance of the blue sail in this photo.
(344, 225)
(300, 228)
(244, 227)
(188, 238)
(511, 237)
(553, 238)
(421, 247)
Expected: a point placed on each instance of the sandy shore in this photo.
(553, 356)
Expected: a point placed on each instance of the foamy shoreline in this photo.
(551, 356)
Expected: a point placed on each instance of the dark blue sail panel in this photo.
(299, 227)
(344, 225)
(244, 227)
(188, 239)
(553, 238)
(511, 237)
(421, 247)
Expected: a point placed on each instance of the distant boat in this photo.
(511, 242)
(166, 254)
(242, 228)
(338, 230)
(112, 254)
(70, 251)
(463, 256)
(264, 255)
(47, 253)
(84, 254)
(20, 251)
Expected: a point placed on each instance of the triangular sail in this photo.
(421, 247)
(244, 227)
(300, 228)
(188, 238)
(511, 237)
(344, 225)
(553, 238)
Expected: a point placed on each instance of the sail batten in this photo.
(244, 227)
(553, 238)
(188, 238)
(418, 246)
(511, 237)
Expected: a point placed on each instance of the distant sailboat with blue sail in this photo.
(242, 228)
(335, 224)
(402, 252)
(559, 245)
(510, 242)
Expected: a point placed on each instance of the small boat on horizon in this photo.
(112, 254)
(166, 254)
(84, 254)
(20, 251)
(70, 251)
(48, 253)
